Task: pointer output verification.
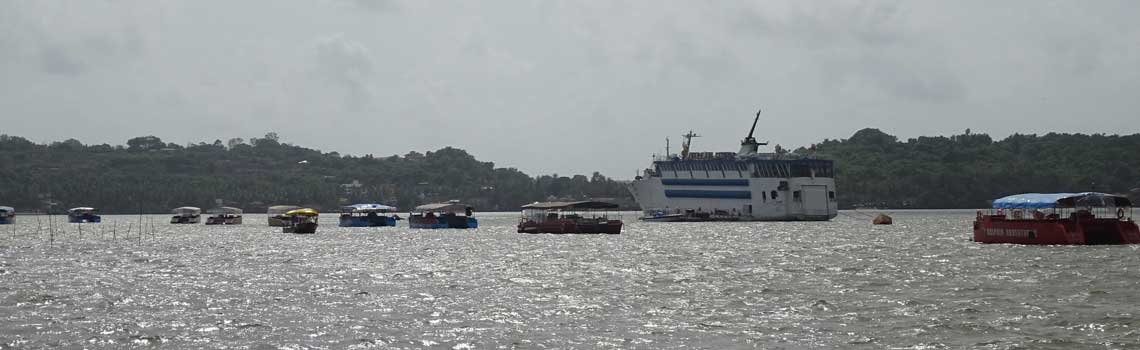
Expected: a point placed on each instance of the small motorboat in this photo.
(224, 216)
(186, 215)
(569, 217)
(277, 216)
(1058, 218)
(83, 215)
(302, 220)
(7, 215)
(367, 215)
(442, 215)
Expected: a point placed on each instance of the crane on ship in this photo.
(749, 146)
(688, 142)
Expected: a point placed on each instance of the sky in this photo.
(567, 87)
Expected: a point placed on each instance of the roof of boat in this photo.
(1061, 200)
(368, 208)
(570, 205)
(72, 210)
(450, 206)
(226, 210)
(186, 209)
(7, 208)
(281, 208)
(303, 212)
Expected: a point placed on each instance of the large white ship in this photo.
(736, 186)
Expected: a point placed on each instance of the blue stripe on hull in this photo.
(708, 194)
(704, 182)
(366, 222)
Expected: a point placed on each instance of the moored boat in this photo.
(302, 220)
(224, 216)
(443, 215)
(1058, 218)
(186, 215)
(367, 215)
(569, 217)
(7, 215)
(83, 215)
(276, 214)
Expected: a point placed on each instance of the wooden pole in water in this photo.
(80, 226)
(51, 232)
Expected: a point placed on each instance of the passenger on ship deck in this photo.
(1038, 215)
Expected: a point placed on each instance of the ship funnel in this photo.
(749, 147)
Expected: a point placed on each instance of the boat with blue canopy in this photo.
(368, 215)
(1058, 218)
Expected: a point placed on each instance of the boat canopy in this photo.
(450, 207)
(281, 209)
(187, 210)
(81, 210)
(368, 208)
(303, 212)
(1061, 200)
(5, 209)
(226, 210)
(570, 205)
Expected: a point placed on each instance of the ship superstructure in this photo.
(736, 186)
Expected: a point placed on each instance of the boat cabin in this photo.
(443, 215)
(367, 215)
(7, 215)
(186, 215)
(277, 216)
(224, 216)
(1058, 218)
(83, 215)
(302, 220)
(569, 217)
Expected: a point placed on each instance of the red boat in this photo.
(1058, 218)
(569, 217)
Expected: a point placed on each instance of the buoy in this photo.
(882, 219)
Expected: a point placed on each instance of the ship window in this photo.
(773, 194)
(831, 194)
(764, 195)
(796, 196)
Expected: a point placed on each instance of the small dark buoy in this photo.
(882, 219)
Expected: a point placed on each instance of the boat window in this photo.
(831, 194)
(796, 196)
(764, 195)
(773, 195)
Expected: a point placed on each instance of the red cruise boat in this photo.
(1058, 218)
(569, 217)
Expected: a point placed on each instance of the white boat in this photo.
(277, 215)
(186, 215)
(224, 216)
(736, 186)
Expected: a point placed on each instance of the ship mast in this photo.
(749, 146)
(688, 142)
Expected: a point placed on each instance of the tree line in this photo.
(153, 176)
(873, 169)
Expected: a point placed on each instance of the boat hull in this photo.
(727, 196)
(1089, 231)
(307, 227)
(570, 226)
(93, 219)
(214, 220)
(278, 221)
(185, 219)
(460, 222)
(364, 221)
(7, 221)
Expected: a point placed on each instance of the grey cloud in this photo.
(58, 60)
(345, 63)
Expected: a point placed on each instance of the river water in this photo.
(918, 284)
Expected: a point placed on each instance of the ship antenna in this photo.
(754, 121)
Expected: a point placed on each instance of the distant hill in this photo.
(872, 169)
(150, 175)
(967, 170)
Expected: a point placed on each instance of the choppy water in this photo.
(842, 284)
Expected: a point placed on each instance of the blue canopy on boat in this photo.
(1060, 200)
(372, 207)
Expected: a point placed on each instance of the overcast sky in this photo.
(562, 86)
